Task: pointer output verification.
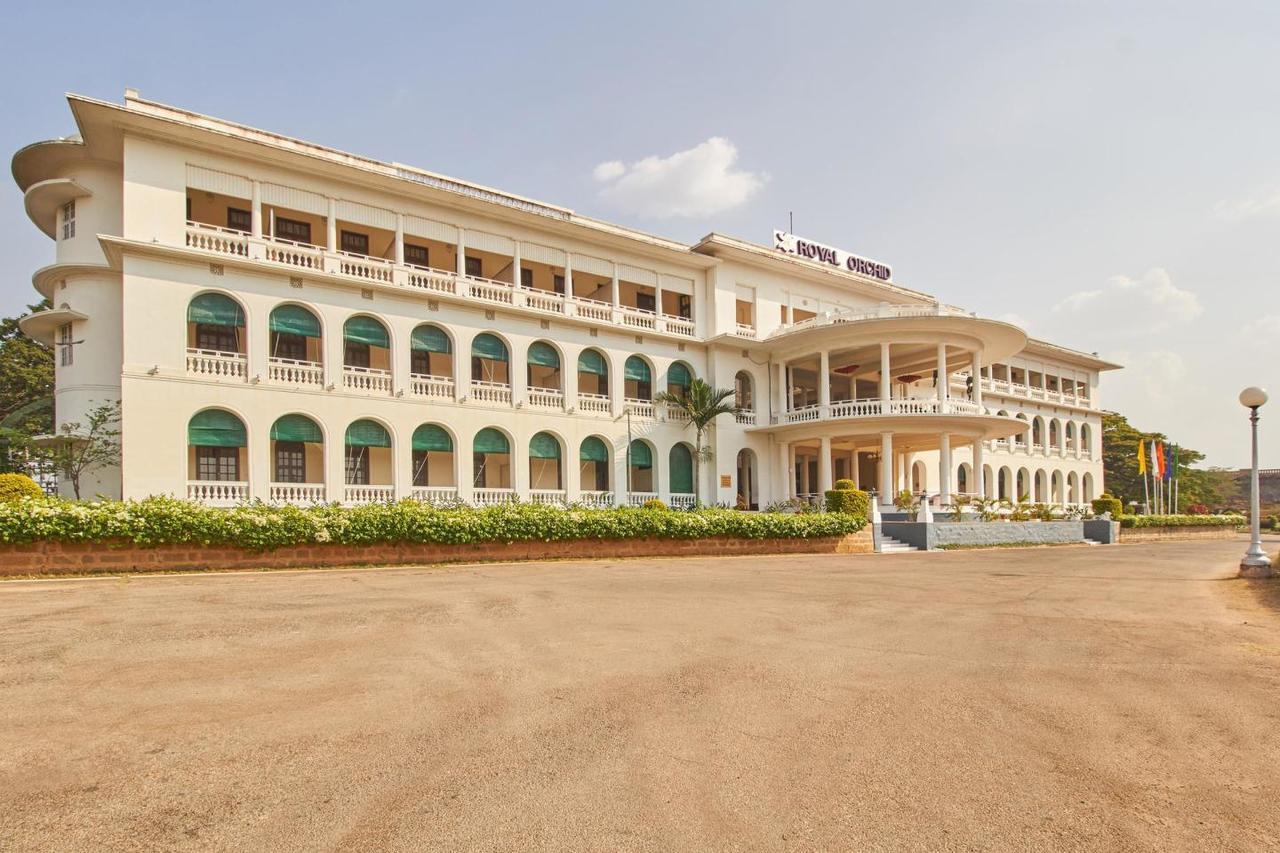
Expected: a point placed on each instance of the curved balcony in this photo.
(922, 416)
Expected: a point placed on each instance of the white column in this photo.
(255, 210)
(657, 296)
(402, 467)
(944, 383)
(824, 464)
(461, 263)
(791, 471)
(944, 469)
(780, 390)
(824, 383)
(979, 479)
(515, 263)
(399, 250)
(853, 469)
(620, 473)
(886, 470)
(568, 274)
(805, 486)
(977, 380)
(331, 226)
(784, 464)
(884, 372)
(614, 292)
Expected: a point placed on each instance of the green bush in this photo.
(258, 526)
(1182, 520)
(1107, 503)
(843, 485)
(654, 503)
(16, 487)
(849, 501)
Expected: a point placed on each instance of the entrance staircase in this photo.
(889, 545)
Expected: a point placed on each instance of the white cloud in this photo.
(1247, 208)
(697, 182)
(1134, 306)
(1262, 332)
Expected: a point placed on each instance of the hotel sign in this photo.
(836, 258)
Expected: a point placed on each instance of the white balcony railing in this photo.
(436, 281)
(434, 494)
(593, 404)
(641, 408)
(745, 330)
(883, 408)
(437, 387)
(355, 495)
(672, 412)
(683, 501)
(593, 309)
(746, 418)
(546, 398)
(493, 497)
(217, 492)
(211, 364)
(639, 498)
(287, 371)
(550, 497)
(639, 318)
(678, 325)
(222, 241)
(490, 291)
(492, 393)
(297, 493)
(304, 256)
(366, 380)
(363, 266)
(544, 300)
(596, 499)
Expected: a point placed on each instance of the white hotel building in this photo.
(286, 322)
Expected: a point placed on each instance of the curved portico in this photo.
(888, 383)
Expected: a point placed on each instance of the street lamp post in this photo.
(1256, 564)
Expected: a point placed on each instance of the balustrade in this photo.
(548, 497)
(493, 497)
(437, 387)
(297, 493)
(366, 380)
(210, 364)
(217, 493)
(493, 393)
(288, 371)
(546, 398)
(594, 404)
(596, 499)
(434, 494)
(368, 494)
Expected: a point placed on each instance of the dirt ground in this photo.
(1106, 698)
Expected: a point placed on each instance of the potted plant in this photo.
(906, 502)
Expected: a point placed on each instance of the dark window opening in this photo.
(416, 255)
(357, 466)
(558, 283)
(218, 464)
(526, 277)
(420, 362)
(474, 268)
(645, 301)
(239, 220)
(355, 242)
(217, 338)
(292, 229)
(288, 345)
(356, 354)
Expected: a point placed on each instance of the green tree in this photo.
(26, 390)
(85, 447)
(1120, 463)
(702, 404)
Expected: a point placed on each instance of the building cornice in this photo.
(1037, 347)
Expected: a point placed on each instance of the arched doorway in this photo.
(545, 471)
(748, 487)
(594, 472)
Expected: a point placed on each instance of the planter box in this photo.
(978, 533)
(1166, 534)
(53, 558)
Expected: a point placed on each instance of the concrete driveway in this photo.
(1075, 698)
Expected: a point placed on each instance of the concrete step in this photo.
(889, 545)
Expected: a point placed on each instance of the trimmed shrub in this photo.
(1182, 520)
(849, 501)
(259, 526)
(843, 485)
(16, 487)
(654, 503)
(1107, 503)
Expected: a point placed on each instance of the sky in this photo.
(1106, 175)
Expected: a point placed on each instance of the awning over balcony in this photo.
(490, 347)
(544, 446)
(637, 369)
(215, 309)
(489, 440)
(432, 438)
(366, 330)
(367, 433)
(430, 339)
(592, 362)
(216, 428)
(544, 355)
(681, 469)
(593, 450)
(296, 428)
(295, 320)
(641, 455)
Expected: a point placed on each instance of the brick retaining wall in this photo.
(1165, 534)
(52, 558)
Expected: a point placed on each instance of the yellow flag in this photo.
(1142, 458)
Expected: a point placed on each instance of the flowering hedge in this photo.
(156, 521)
(1182, 520)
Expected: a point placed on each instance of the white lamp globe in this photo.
(1253, 397)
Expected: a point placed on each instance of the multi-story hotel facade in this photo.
(286, 322)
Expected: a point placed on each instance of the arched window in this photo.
(1005, 486)
(1024, 485)
(491, 460)
(680, 461)
(1088, 486)
(1056, 488)
(639, 382)
(1021, 438)
(1071, 437)
(679, 376)
(593, 457)
(297, 450)
(217, 446)
(962, 479)
(432, 456)
(430, 352)
(1055, 433)
(1086, 442)
(1037, 432)
(544, 463)
(744, 391)
(366, 344)
(593, 374)
(215, 324)
(640, 468)
(1073, 488)
(489, 360)
(367, 457)
(295, 335)
(544, 366)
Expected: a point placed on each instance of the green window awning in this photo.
(296, 428)
(366, 330)
(641, 455)
(544, 446)
(430, 339)
(295, 320)
(489, 440)
(678, 375)
(214, 309)
(593, 450)
(366, 433)
(544, 354)
(681, 470)
(488, 346)
(216, 428)
(637, 369)
(592, 362)
(430, 437)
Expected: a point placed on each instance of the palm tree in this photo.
(701, 404)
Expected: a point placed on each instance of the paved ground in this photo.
(1069, 698)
